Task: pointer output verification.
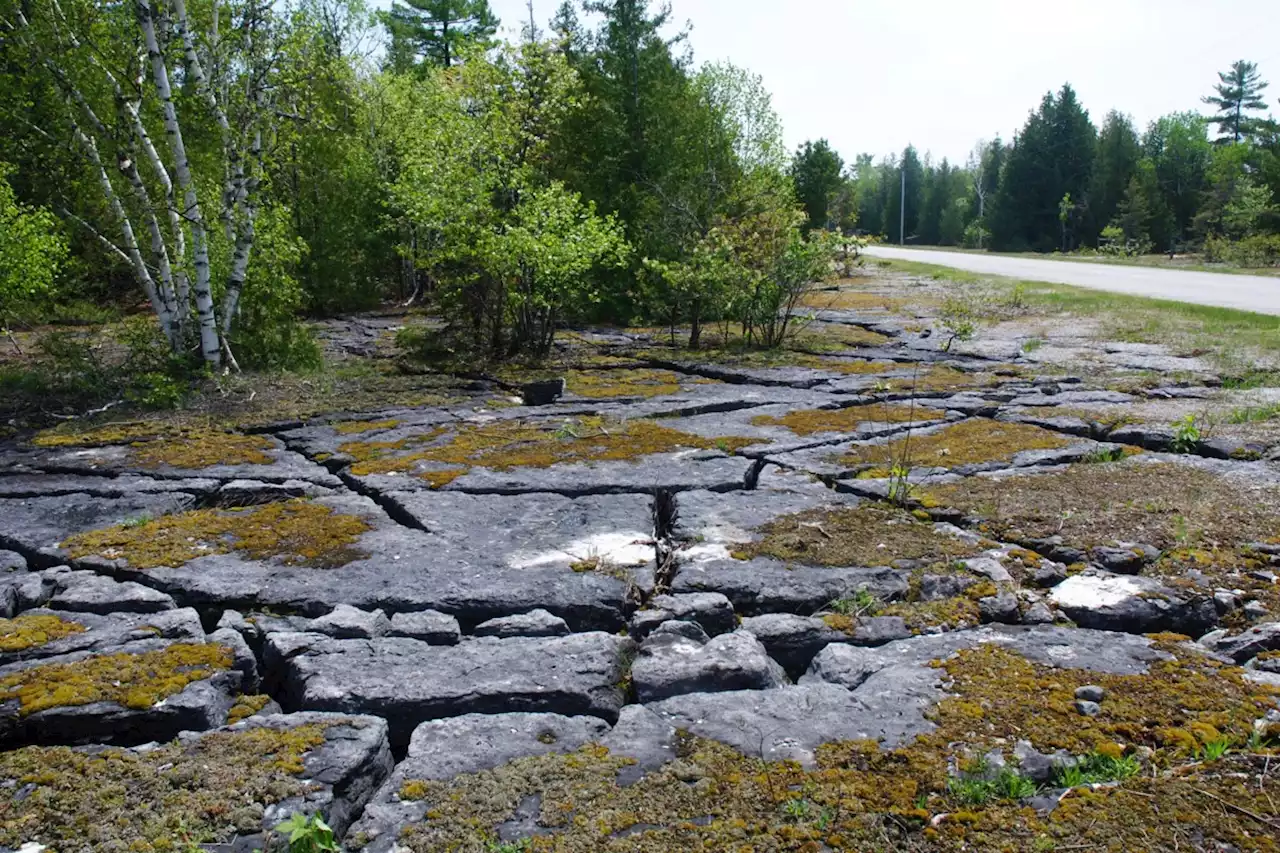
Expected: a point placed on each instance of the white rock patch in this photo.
(1090, 592)
(622, 548)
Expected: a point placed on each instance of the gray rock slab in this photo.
(712, 610)
(36, 485)
(1137, 605)
(437, 629)
(409, 682)
(679, 471)
(347, 623)
(12, 561)
(535, 623)
(1247, 644)
(793, 640)
(86, 592)
(397, 570)
(768, 586)
(444, 749)
(537, 531)
(670, 664)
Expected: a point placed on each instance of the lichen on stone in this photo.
(864, 535)
(162, 800)
(441, 455)
(163, 444)
(609, 384)
(812, 421)
(136, 681)
(296, 532)
(32, 630)
(247, 706)
(971, 442)
(357, 427)
(861, 797)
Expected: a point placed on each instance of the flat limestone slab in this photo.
(35, 526)
(408, 682)
(43, 633)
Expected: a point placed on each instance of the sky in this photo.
(875, 75)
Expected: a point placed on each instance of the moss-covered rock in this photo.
(977, 441)
(813, 421)
(296, 532)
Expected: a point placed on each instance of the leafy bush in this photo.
(309, 835)
(32, 250)
(1259, 250)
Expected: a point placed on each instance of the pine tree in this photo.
(817, 173)
(1113, 169)
(432, 33)
(1238, 93)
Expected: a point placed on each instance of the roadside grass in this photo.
(1241, 344)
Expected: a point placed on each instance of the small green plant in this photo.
(973, 790)
(960, 318)
(860, 603)
(1096, 768)
(899, 484)
(1215, 750)
(797, 809)
(1186, 435)
(309, 834)
(1032, 344)
(825, 818)
(136, 521)
(1254, 414)
(1104, 455)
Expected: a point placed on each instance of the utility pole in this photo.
(902, 208)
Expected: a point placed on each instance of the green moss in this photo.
(859, 797)
(960, 611)
(160, 801)
(971, 442)
(135, 681)
(865, 535)
(31, 631)
(504, 446)
(298, 532)
(812, 421)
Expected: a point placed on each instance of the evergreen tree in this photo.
(817, 172)
(893, 191)
(1051, 160)
(434, 33)
(1113, 170)
(1179, 150)
(1239, 92)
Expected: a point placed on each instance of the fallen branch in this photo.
(1240, 810)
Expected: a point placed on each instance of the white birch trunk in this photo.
(210, 341)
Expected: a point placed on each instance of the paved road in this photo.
(1246, 292)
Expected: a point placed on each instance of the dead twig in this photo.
(1240, 809)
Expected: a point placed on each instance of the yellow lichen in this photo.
(174, 445)
(971, 442)
(524, 444)
(247, 706)
(33, 630)
(813, 421)
(298, 532)
(135, 681)
(608, 384)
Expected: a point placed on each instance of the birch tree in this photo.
(114, 66)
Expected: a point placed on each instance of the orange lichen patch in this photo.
(971, 442)
(524, 444)
(136, 681)
(357, 427)
(165, 444)
(32, 630)
(813, 421)
(297, 532)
